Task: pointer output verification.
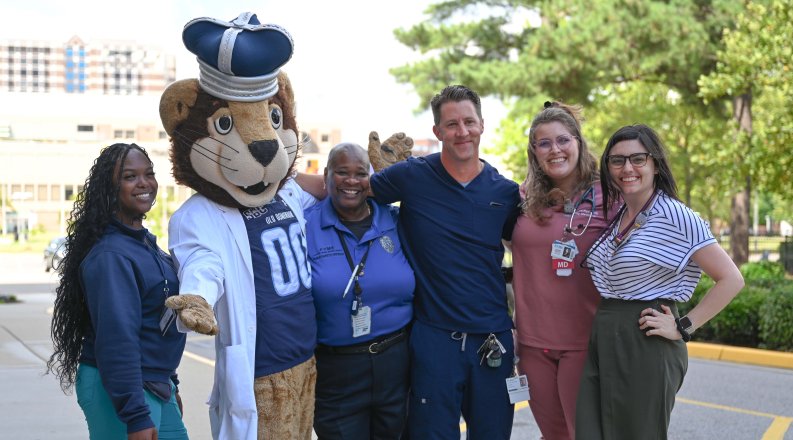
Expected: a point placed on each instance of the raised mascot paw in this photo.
(396, 148)
(195, 313)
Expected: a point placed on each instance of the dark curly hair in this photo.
(93, 211)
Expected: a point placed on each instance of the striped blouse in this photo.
(655, 260)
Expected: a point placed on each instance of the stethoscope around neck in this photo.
(588, 197)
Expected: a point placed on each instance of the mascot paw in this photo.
(195, 313)
(396, 148)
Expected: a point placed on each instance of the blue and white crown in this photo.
(238, 60)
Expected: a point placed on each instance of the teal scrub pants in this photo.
(103, 423)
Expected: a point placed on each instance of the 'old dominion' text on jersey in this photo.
(282, 278)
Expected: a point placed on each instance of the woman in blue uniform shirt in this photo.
(363, 292)
(114, 339)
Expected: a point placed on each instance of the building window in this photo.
(55, 192)
(68, 192)
(325, 138)
(85, 128)
(129, 134)
(42, 192)
(163, 135)
(118, 134)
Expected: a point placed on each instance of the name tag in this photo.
(362, 322)
(518, 388)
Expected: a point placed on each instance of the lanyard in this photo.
(588, 197)
(357, 271)
(636, 223)
(640, 220)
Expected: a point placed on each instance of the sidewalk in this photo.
(34, 407)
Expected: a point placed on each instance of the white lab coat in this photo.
(210, 246)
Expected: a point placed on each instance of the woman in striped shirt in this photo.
(649, 258)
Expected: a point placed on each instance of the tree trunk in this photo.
(739, 227)
(739, 223)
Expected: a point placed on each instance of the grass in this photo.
(35, 243)
(757, 244)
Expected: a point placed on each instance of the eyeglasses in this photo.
(637, 160)
(563, 142)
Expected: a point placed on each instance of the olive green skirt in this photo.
(629, 382)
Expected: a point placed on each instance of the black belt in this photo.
(371, 347)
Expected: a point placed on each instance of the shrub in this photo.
(8, 299)
(761, 315)
(762, 273)
(776, 318)
(738, 323)
(703, 333)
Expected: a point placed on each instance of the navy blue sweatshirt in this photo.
(125, 279)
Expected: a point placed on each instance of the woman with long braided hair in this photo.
(113, 337)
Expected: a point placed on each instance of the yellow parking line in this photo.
(777, 429)
(198, 358)
(727, 408)
(779, 424)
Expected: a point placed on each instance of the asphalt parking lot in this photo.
(719, 400)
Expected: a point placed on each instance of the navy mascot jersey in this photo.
(282, 278)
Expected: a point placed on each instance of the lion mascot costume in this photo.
(239, 242)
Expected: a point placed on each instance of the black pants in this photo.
(630, 379)
(362, 396)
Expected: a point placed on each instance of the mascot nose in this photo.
(264, 151)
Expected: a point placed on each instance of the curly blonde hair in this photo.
(540, 191)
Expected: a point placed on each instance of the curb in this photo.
(741, 355)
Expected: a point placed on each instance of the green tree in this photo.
(754, 72)
(626, 61)
(570, 48)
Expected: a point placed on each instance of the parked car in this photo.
(54, 253)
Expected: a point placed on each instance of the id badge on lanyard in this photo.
(562, 255)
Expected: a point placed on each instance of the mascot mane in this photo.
(188, 134)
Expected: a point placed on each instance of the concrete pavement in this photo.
(32, 405)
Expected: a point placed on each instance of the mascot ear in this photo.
(176, 102)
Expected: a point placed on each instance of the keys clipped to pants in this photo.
(491, 350)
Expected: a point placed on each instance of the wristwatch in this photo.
(686, 323)
(683, 326)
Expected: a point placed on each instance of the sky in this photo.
(343, 50)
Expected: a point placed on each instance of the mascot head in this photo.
(233, 131)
